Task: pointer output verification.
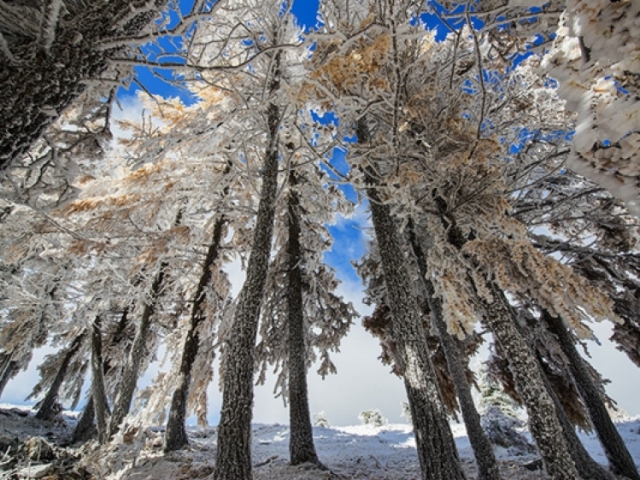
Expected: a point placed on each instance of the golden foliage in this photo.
(89, 204)
(361, 66)
(142, 174)
(516, 266)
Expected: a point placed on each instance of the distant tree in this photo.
(372, 417)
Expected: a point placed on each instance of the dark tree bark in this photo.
(301, 447)
(175, 434)
(38, 83)
(500, 319)
(138, 350)
(47, 410)
(98, 392)
(482, 448)
(233, 457)
(543, 418)
(7, 372)
(587, 467)
(85, 429)
(131, 372)
(436, 448)
(619, 457)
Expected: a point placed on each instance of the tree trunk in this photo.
(233, 458)
(619, 457)
(7, 371)
(36, 85)
(85, 429)
(131, 371)
(301, 447)
(499, 318)
(98, 393)
(587, 467)
(46, 410)
(482, 448)
(175, 434)
(436, 448)
(543, 419)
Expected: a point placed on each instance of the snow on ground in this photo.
(356, 452)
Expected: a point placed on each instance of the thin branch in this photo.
(480, 71)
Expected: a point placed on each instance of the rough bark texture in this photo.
(47, 410)
(482, 448)
(175, 434)
(98, 392)
(233, 458)
(543, 419)
(138, 350)
(436, 448)
(500, 319)
(619, 457)
(301, 447)
(85, 429)
(587, 467)
(38, 84)
(7, 372)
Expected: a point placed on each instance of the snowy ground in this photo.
(357, 452)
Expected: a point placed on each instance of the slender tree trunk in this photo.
(176, 434)
(619, 457)
(85, 429)
(543, 418)
(499, 318)
(482, 448)
(436, 448)
(587, 467)
(7, 371)
(233, 458)
(98, 392)
(46, 410)
(131, 371)
(301, 447)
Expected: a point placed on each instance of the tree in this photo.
(567, 402)
(586, 226)
(482, 450)
(593, 77)
(175, 436)
(436, 449)
(617, 453)
(98, 392)
(47, 408)
(302, 317)
(266, 71)
(56, 48)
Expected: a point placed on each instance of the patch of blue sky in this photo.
(339, 163)
(350, 243)
(306, 13)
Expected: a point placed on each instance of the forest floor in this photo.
(36, 449)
